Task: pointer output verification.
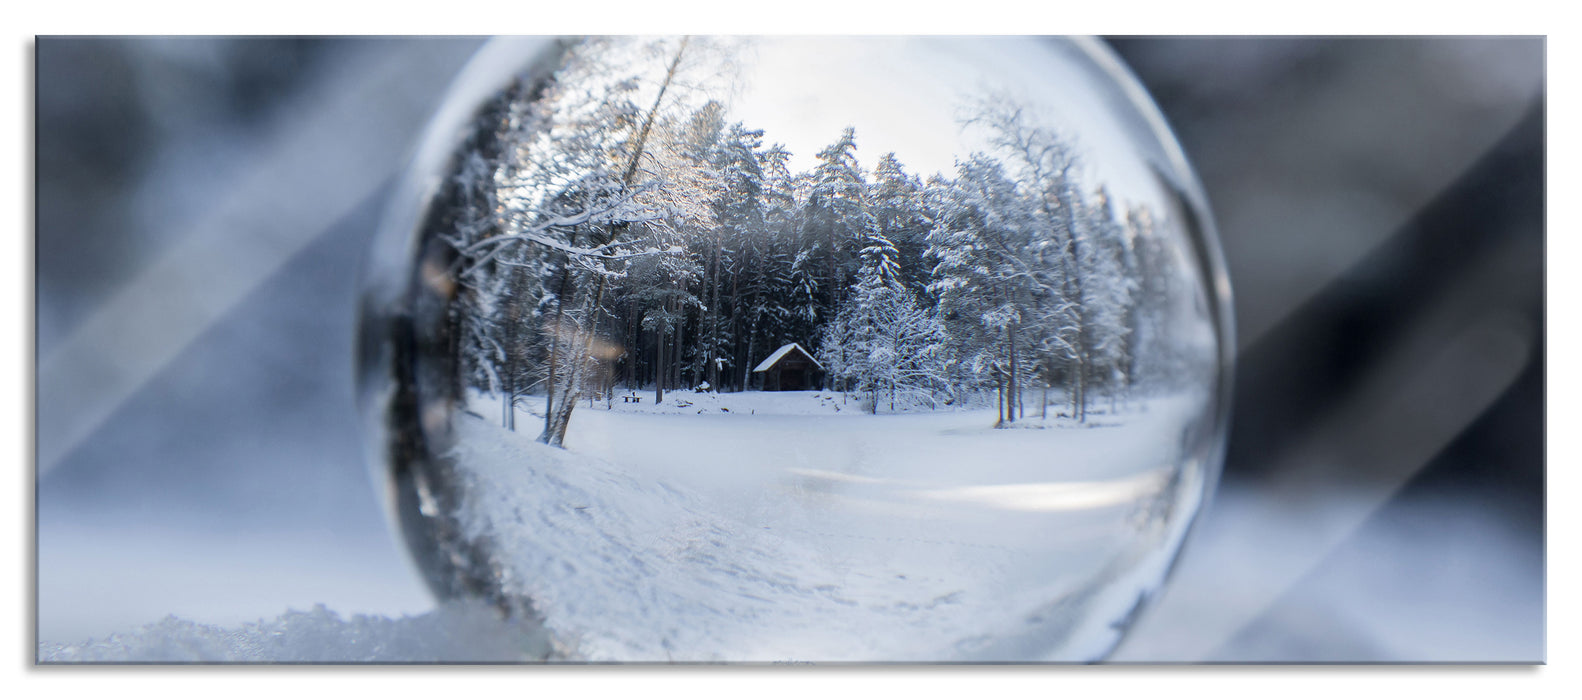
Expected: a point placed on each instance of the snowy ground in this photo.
(461, 632)
(1448, 585)
(792, 526)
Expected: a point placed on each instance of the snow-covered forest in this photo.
(612, 229)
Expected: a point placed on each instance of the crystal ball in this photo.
(798, 349)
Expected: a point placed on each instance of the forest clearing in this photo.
(709, 391)
(660, 528)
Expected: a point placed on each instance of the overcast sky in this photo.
(905, 94)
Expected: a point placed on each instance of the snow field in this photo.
(783, 529)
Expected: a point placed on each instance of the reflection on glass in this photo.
(867, 349)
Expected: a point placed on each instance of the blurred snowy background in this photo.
(203, 206)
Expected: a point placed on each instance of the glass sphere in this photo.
(798, 349)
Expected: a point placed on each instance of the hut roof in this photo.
(782, 352)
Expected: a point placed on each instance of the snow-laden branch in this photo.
(596, 252)
(620, 207)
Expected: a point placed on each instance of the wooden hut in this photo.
(790, 369)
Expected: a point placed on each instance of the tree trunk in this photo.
(558, 417)
(508, 377)
(633, 338)
(752, 335)
(1073, 263)
(659, 363)
(999, 400)
(1043, 401)
(568, 401)
(679, 344)
(579, 343)
(1012, 400)
(507, 388)
(653, 110)
(736, 325)
(549, 390)
(1082, 373)
(555, 333)
(710, 358)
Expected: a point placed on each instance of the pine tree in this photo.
(1108, 295)
(880, 342)
(738, 210)
(836, 219)
(1046, 167)
(994, 290)
(900, 215)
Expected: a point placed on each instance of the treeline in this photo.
(613, 231)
